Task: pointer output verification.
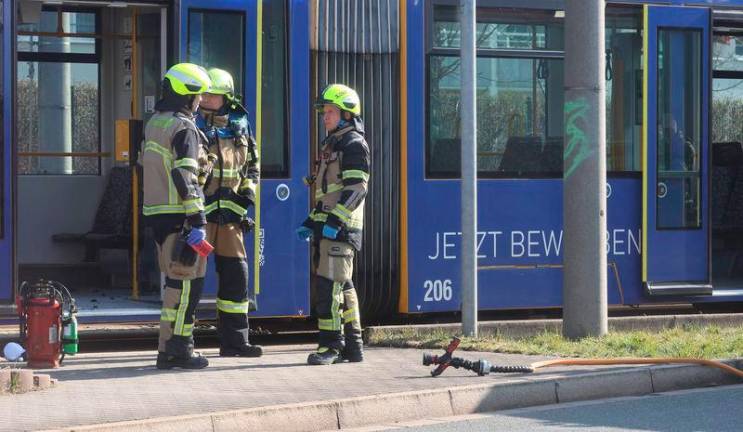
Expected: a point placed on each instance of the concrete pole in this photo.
(55, 101)
(584, 199)
(163, 41)
(468, 133)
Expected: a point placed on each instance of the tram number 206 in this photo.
(437, 290)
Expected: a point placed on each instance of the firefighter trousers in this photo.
(336, 301)
(183, 287)
(233, 300)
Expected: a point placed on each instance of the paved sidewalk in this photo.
(108, 387)
(125, 386)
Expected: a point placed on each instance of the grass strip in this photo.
(707, 342)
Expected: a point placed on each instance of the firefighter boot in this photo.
(324, 356)
(165, 361)
(354, 350)
(179, 354)
(246, 350)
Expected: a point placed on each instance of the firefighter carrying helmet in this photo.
(341, 96)
(188, 79)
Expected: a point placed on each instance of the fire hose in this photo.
(483, 367)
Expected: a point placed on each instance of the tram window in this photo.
(519, 117)
(42, 128)
(215, 39)
(83, 23)
(725, 129)
(679, 128)
(623, 90)
(274, 140)
(54, 72)
(535, 121)
(727, 110)
(501, 28)
(727, 88)
(727, 52)
(520, 94)
(211, 43)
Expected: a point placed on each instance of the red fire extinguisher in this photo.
(44, 308)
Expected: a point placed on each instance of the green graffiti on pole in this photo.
(577, 149)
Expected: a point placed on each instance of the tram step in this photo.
(677, 289)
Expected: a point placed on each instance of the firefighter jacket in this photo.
(230, 190)
(173, 158)
(341, 184)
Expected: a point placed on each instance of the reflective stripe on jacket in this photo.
(231, 189)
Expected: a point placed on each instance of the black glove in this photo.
(182, 252)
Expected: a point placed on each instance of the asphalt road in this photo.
(716, 409)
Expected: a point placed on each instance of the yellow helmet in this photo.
(343, 97)
(188, 79)
(222, 83)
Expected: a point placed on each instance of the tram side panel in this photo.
(520, 239)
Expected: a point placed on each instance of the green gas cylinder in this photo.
(69, 334)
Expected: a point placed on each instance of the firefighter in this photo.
(335, 225)
(173, 158)
(230, 191)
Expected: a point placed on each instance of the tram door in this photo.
(230, 35)
(676, 151)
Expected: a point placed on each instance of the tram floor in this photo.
(115, 301)
(727, 282)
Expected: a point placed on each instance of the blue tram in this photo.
(80, 77)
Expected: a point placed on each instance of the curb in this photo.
(528, 328)
(408, 406)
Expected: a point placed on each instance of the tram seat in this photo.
(727, 185)
(550, 161)
(445, 155)
(727, 153)
(721, 194)
(522, 155)
(112, 224)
